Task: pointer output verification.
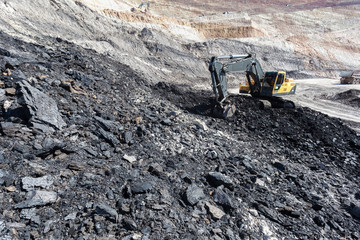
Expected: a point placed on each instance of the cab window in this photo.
(269, 79)
(280, 79)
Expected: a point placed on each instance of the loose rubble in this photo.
(113, 156)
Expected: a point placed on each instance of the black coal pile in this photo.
(90, 150)
(350, 97)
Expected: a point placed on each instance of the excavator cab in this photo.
(282, 85)
(273, 84)
(268, 84)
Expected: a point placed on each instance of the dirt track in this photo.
(318, 94)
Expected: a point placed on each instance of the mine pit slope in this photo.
(107, 129)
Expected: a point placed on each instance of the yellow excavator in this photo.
(260, 84)
(143, 7)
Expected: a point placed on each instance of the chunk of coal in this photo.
(107, 125)
(221, 198)
(129, 224)
(38, 198)
(11, 63)
(217, 179)
(141, 187)
(29, 183)
(4, 52)
(3, 175)
(42, 110)
(109, 137)
(319, 220)
(279, 166)
(194, 194)
(106, 210)
(355, 211)
(127, 137)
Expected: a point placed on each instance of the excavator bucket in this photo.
(226, 111)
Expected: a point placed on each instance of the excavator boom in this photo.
(235, 63)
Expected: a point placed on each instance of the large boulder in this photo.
(41, 110)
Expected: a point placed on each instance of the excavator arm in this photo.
(221, 65)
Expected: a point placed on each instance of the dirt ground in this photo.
(320, 95)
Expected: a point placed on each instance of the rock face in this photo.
(303, 45)
(138, 160)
